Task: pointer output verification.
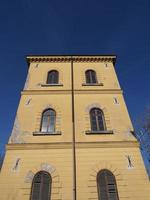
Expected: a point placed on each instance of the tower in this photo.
(72, 138)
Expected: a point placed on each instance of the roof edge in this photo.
(69, 58)
(39, 55)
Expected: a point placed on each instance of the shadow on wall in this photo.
(1, 160)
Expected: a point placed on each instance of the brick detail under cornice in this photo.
(71, 58)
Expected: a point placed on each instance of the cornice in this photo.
(96, 58)
(98, 91)
(44, 92)
(87, 91)
(68, 145)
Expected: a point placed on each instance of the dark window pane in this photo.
(41, 186)
(87, 77)
(90, 76)
(36, 193)
(48, 121)
(45, 122)
(52, 77)
(97, 120)
(93, 77)
(106, 185)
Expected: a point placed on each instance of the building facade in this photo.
(72, 138)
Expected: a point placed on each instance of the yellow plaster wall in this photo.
(132, 183)
(93, 152)
(37, 75)
(116, 117)
(105, 75)
(29, 117)
(16, 184)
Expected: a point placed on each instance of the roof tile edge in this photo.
(69, 58)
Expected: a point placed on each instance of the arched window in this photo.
(52, 77)
(48, 121)
(90, 76)
(41, 186)
(97, 120)
(106, 186)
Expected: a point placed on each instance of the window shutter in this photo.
(90, 76)
(48, 121)
(52, 77)
(107, 188)
(97, 120)
(41, 186)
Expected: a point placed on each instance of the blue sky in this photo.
(74, 27)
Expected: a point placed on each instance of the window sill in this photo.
(46, 133)
(92, 84)
(50, 85)
(99, 132)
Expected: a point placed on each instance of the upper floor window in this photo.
(41, 186)
(97, 120)
(106, 186)
(52, 77)
(48, 121)
(90, 76)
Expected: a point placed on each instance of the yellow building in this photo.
(72, 137)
